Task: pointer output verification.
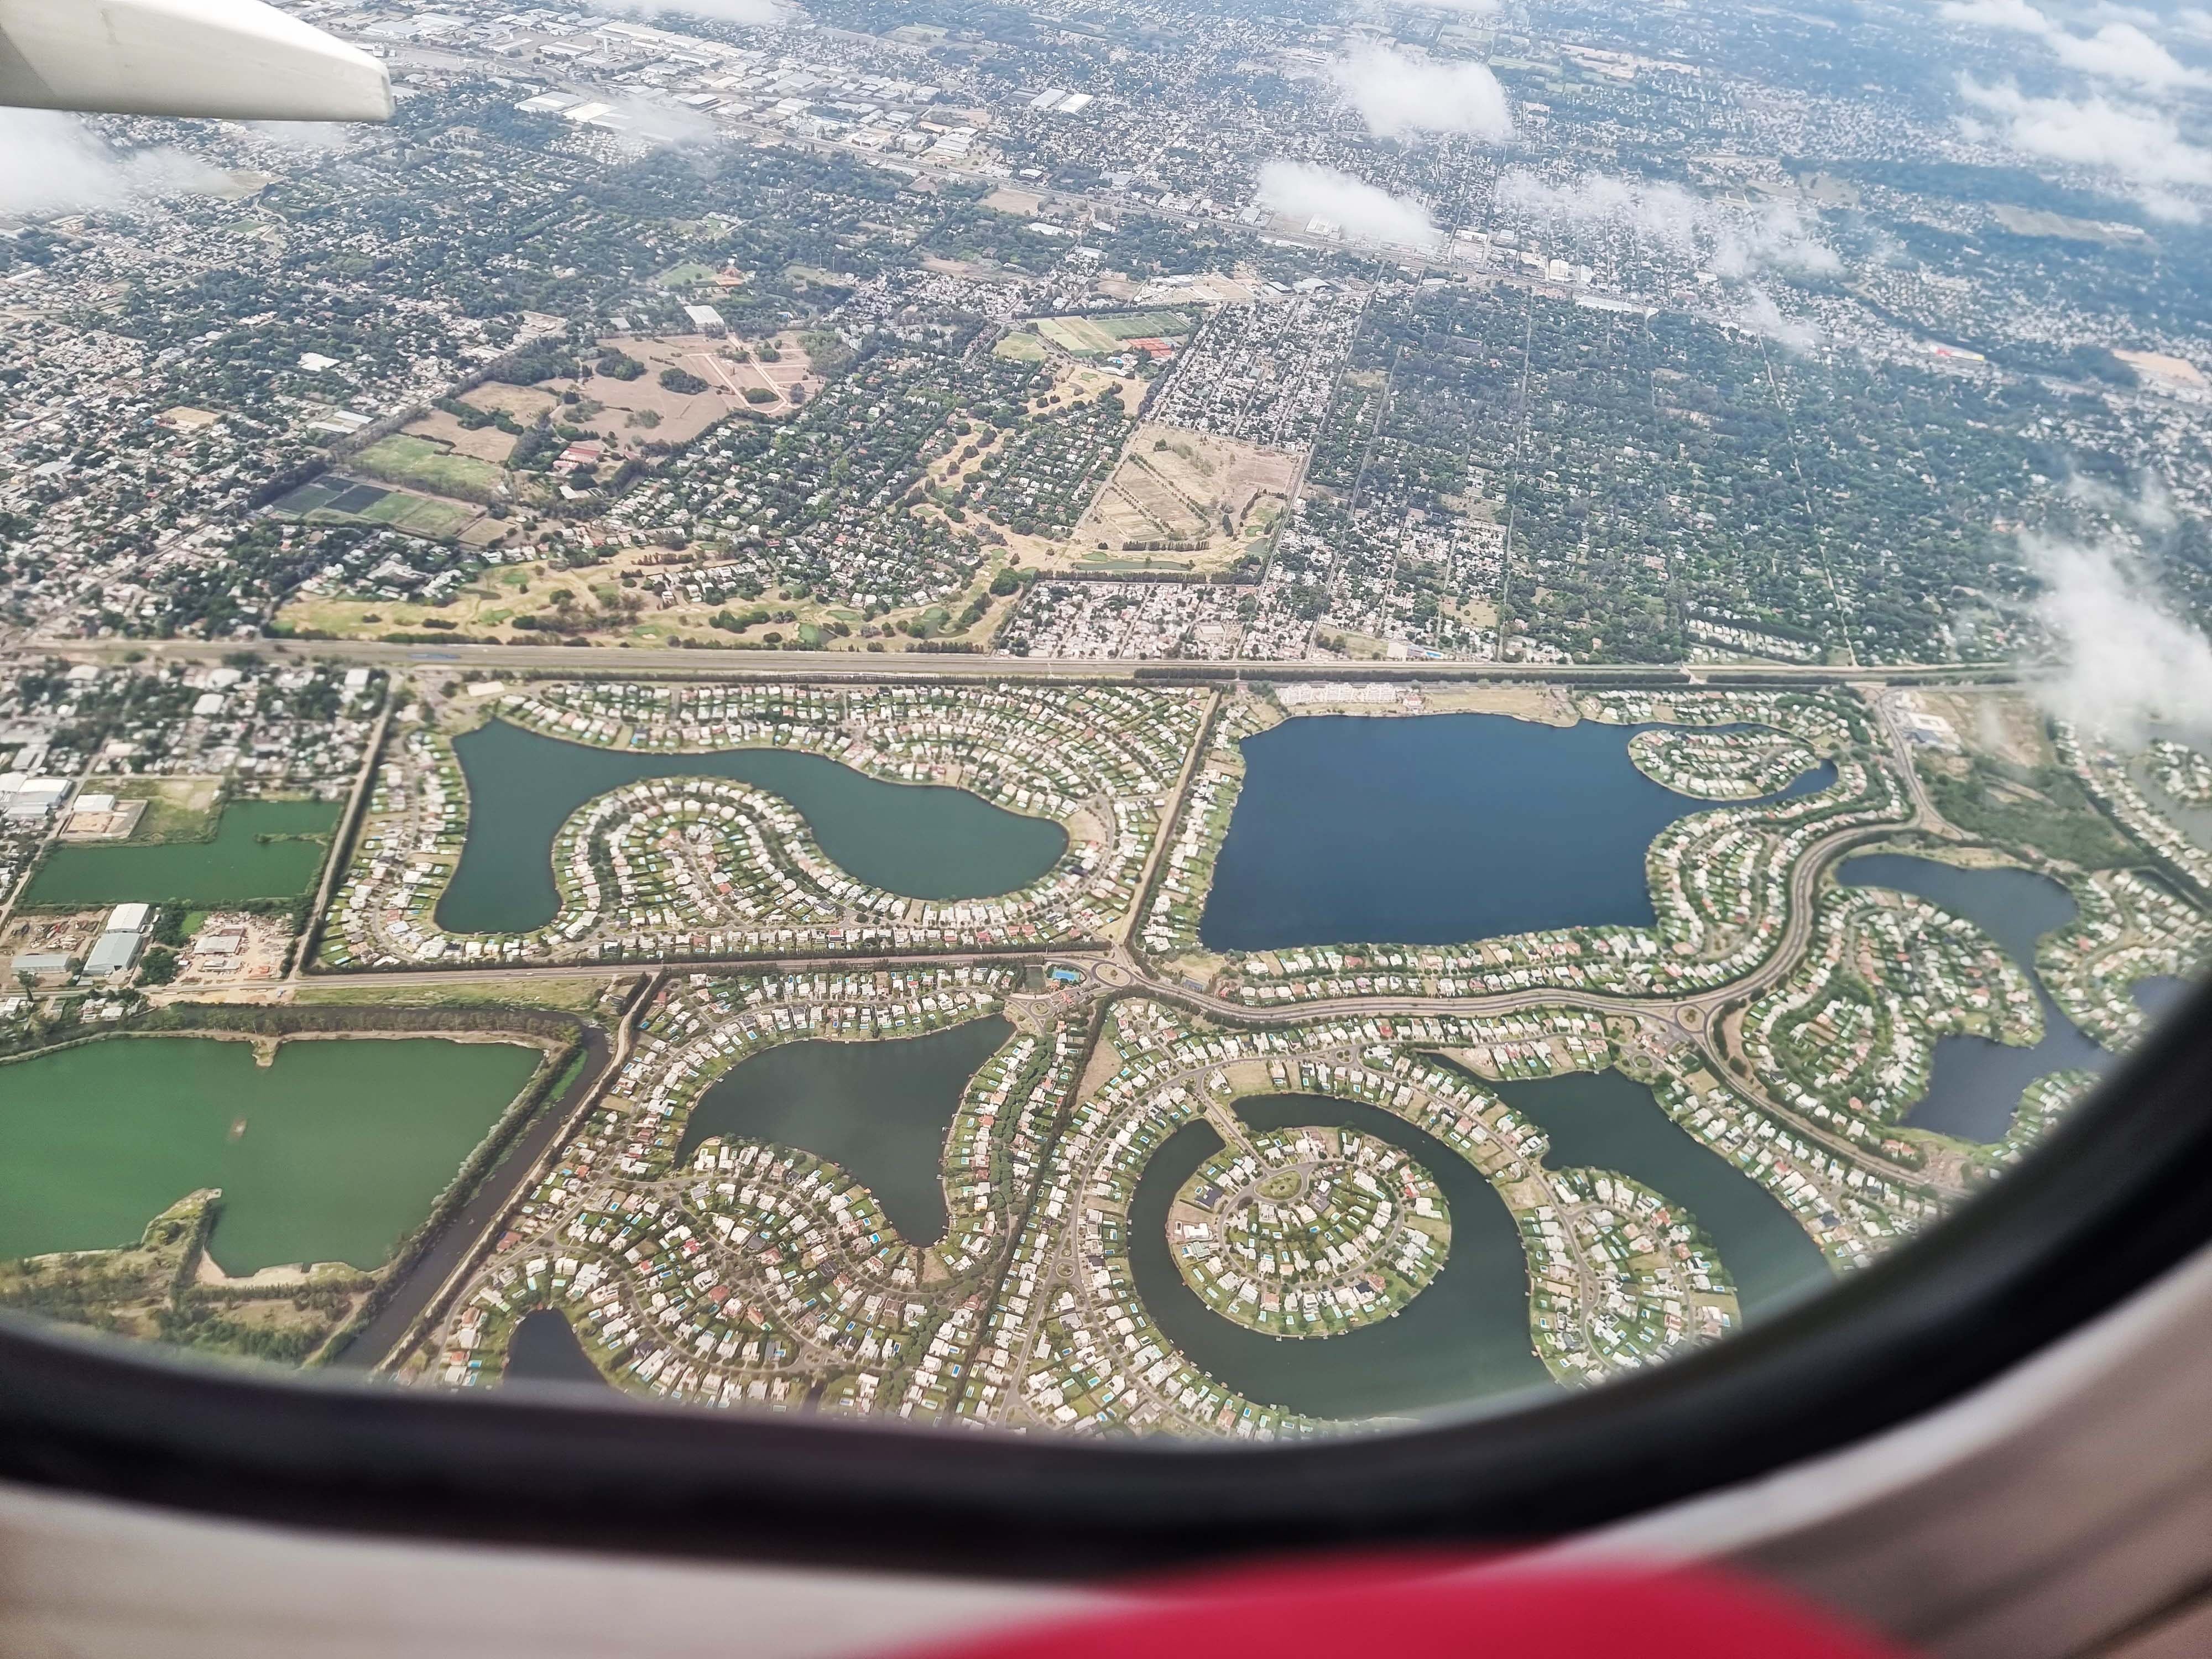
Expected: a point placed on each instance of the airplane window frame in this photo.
(2120, 1192)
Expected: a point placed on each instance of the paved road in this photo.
(341, 847)
(892, 666)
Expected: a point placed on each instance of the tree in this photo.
(681, 380)
(158, 966)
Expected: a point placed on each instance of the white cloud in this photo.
(1762, 316)
(2151, 506)
(2126, 659)
(665, 124)
(2121, 52)
(1396, 93)
(1734, 241)
(304, 135)
(1299, 190)
(58, 164)
(2016, 15)
(2142, 146)
(759, 13)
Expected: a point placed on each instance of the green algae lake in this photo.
(334, 1152)
(261, 849)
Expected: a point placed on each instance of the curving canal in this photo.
(1974, 1084)
(1464, 1338)
(919, 840)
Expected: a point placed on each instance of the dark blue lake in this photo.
(545, 1349)
(1436, 828)
(1975, 1085)
(1463, 1339)
(1607, 1121)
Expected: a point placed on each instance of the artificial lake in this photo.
(1436, 829)
(920, 840)
(334, 1152)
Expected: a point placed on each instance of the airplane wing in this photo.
(237, 59)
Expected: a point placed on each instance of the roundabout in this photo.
(1308, 1232)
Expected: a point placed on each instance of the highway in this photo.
(834, 666)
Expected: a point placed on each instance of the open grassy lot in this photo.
(430, 464)
(629, 413)
(1103, 336)
(177, 809)
(525, 403)
(569, 995)
(487, 444)
(1184, 499)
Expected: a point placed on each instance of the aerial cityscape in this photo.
(1462, 694)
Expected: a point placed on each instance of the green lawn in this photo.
(418, 461)
(419, 515)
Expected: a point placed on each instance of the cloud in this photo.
(2124, 658)
(1299, 190)
(2016, 15)
(758, 14)
(58, 164)
(667, 124)
(1762, 316)
(1734, 241)
(1396, 93)
(2142, 146)
(304, 135)
(2120, 51)
(2151, 507)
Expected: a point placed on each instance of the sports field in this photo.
(1102, 336)
(331, 499)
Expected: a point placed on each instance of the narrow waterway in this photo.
(1974, 1085)
(920, 840)
(1464, 1338)
(1605, 1120)
(1434, 828)
(879, 1111)
(410, 1294)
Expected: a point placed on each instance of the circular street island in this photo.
(1308, 1232)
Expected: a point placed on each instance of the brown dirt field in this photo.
(525, 403)
(1178, 485)
(726, 366)
(2002, 723)
(486, 443)
(1019, 203)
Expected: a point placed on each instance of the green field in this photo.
(419, 461)
(262, 850)
(334, 1153)
(1022, 348)
(1101, 337)
(684, 274)
(418, 515)
(332, 500)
